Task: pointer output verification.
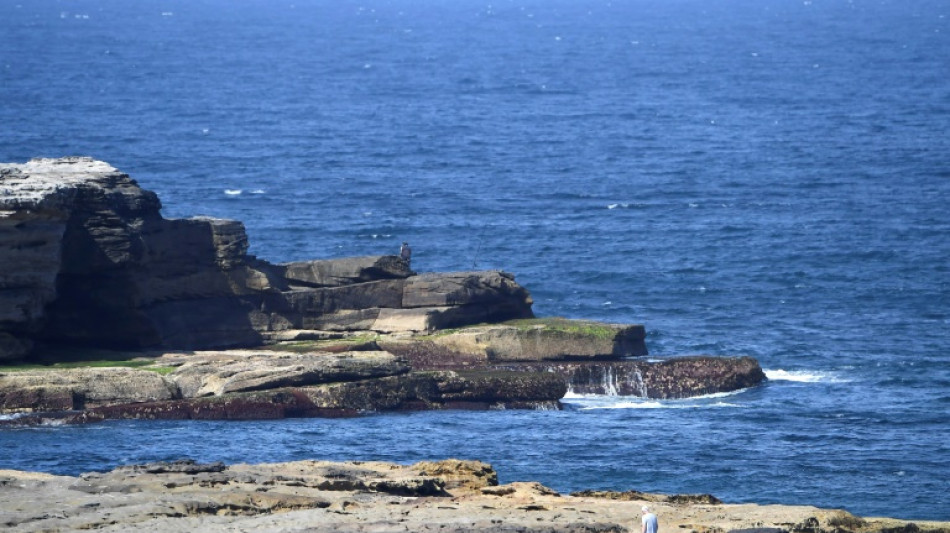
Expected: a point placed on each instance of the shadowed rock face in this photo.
(87, 259)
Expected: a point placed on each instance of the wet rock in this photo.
(500, 387)
(677, 377)
(181, 466)
(634, 495)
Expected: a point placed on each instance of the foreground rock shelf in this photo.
(450, 496)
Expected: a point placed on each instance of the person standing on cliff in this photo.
(649, 522)
(405, 253)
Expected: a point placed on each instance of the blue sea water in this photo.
(755, 177)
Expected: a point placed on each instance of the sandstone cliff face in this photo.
(88, 260)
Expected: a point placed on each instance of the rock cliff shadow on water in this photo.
(88, 262)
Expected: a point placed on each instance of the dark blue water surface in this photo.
(760, 177)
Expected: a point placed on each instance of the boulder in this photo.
(459, 474)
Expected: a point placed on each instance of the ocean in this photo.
(743, 177)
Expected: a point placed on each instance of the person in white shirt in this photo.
(649, 522)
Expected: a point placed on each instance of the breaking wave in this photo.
(586, 402)
(804, 376)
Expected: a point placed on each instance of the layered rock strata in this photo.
(89, 260)
(264, 384)
(674, 378)
(450, 496)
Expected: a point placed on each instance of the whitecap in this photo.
(258, 191)
(803, 376)
(589, 402)
(613, 206)
(626, 405)
(233, 192)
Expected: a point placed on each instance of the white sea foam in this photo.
(587, 402)
(804, 376)
(233, 192)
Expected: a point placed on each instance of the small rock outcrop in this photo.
(673, 378)
(526, 340)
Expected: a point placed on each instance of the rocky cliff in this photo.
(89, 260)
